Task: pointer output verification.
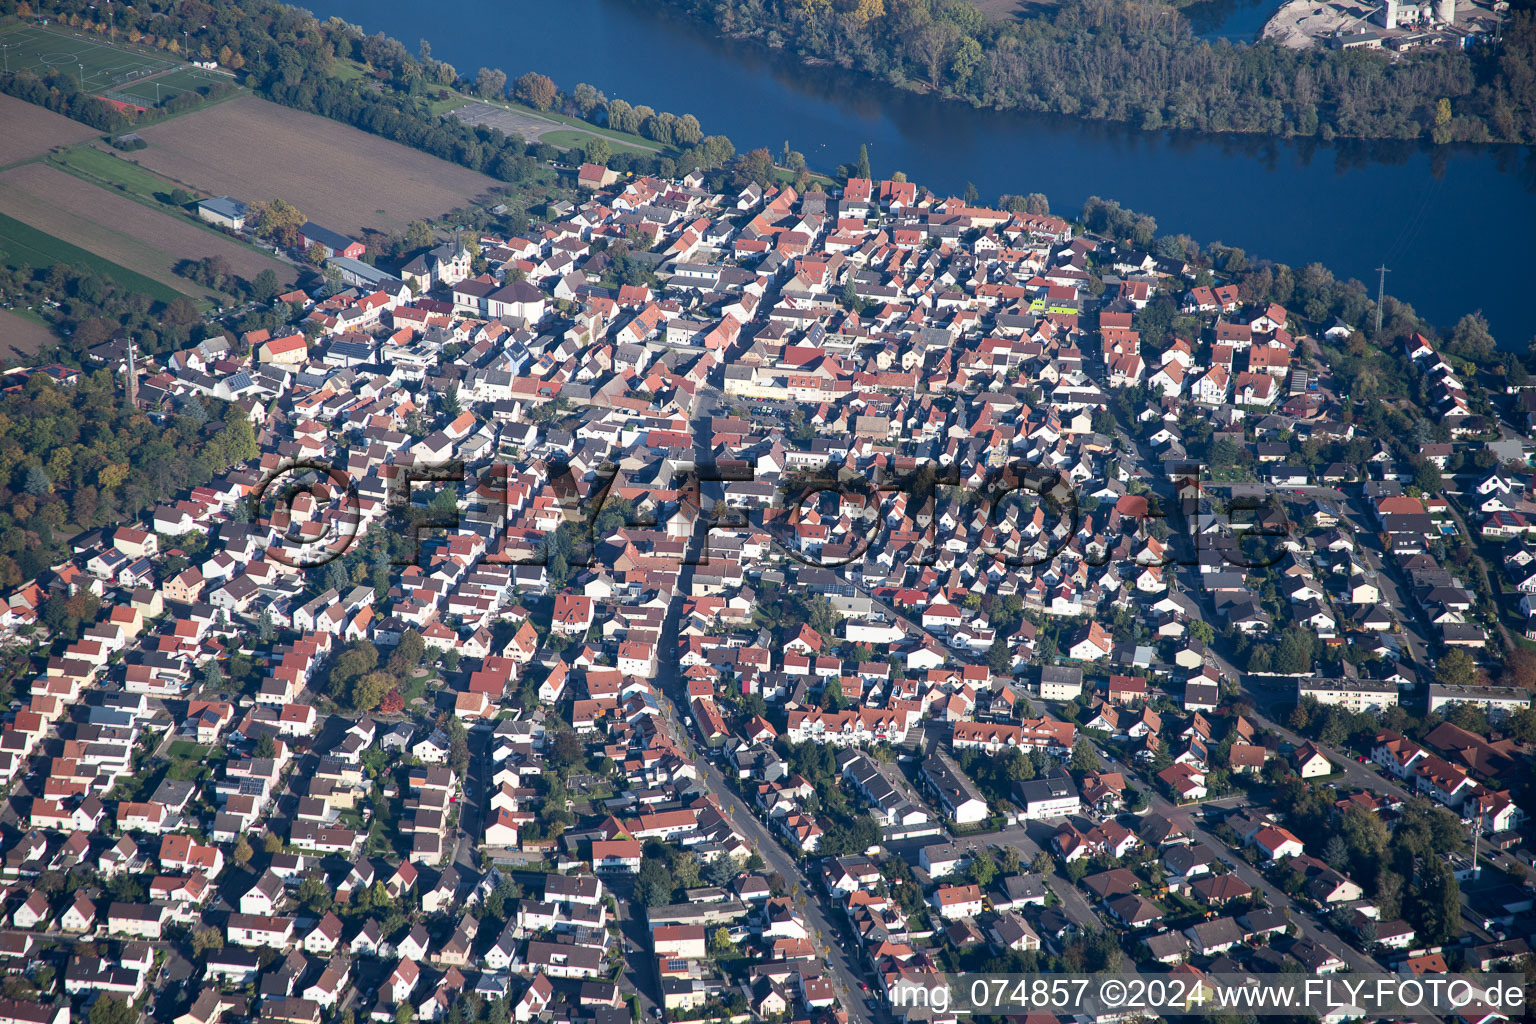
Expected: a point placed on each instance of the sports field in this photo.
(125, 73)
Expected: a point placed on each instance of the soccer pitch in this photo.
(98, 66)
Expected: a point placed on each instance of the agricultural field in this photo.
(31, 130)
(338, 176)
(119, 229)
(23, 243)
(21, 337)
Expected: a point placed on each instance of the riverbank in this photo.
(1113, 60)
(1349, 205)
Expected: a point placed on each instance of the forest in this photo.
(1139, 63)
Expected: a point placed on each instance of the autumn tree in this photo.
(758, 166)
(278, 221)
(368, 690)
(536, 90)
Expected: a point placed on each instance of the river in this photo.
(1447, 222)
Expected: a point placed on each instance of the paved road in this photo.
(472, 807)
(825, 933)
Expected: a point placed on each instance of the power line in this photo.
(1381, 291)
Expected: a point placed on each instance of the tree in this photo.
(586, 98)
(983, 868)
(1456, 668)
(861, 170)
(490, 83)
(110, 1010)
(621, 117)
(315, 894)
(1471, 338)
(369, 689)
(1441, 132)
(653, 886)
(206, 939)
(1427, 478)
(242, 852)
(567, 751)
(999, 657)
(536, 90)
(1296, 651)
(685, 870)
(720, 945)
(409, 652)
(393, 702)
(757, 166)
(1436, 907)
(279, 221)
(1084, 758)
(1336, 853)
(1202, 631)
(971, 194)
(38, 482)
(1519, 669)
(1018, 767)
(1521, 726)
(596, 149)
(687, 131)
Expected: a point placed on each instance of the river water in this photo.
(1453, 224)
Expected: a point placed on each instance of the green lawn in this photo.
(106, 168)
(22, 243)
(163, 87)
(637, 142)
(347, 70)
(186, 750)
(573, 139)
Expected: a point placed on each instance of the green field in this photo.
(21, 243)
(574, 139)
(148, 92)
(119, 72)
(100, 65)
(104, 168)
